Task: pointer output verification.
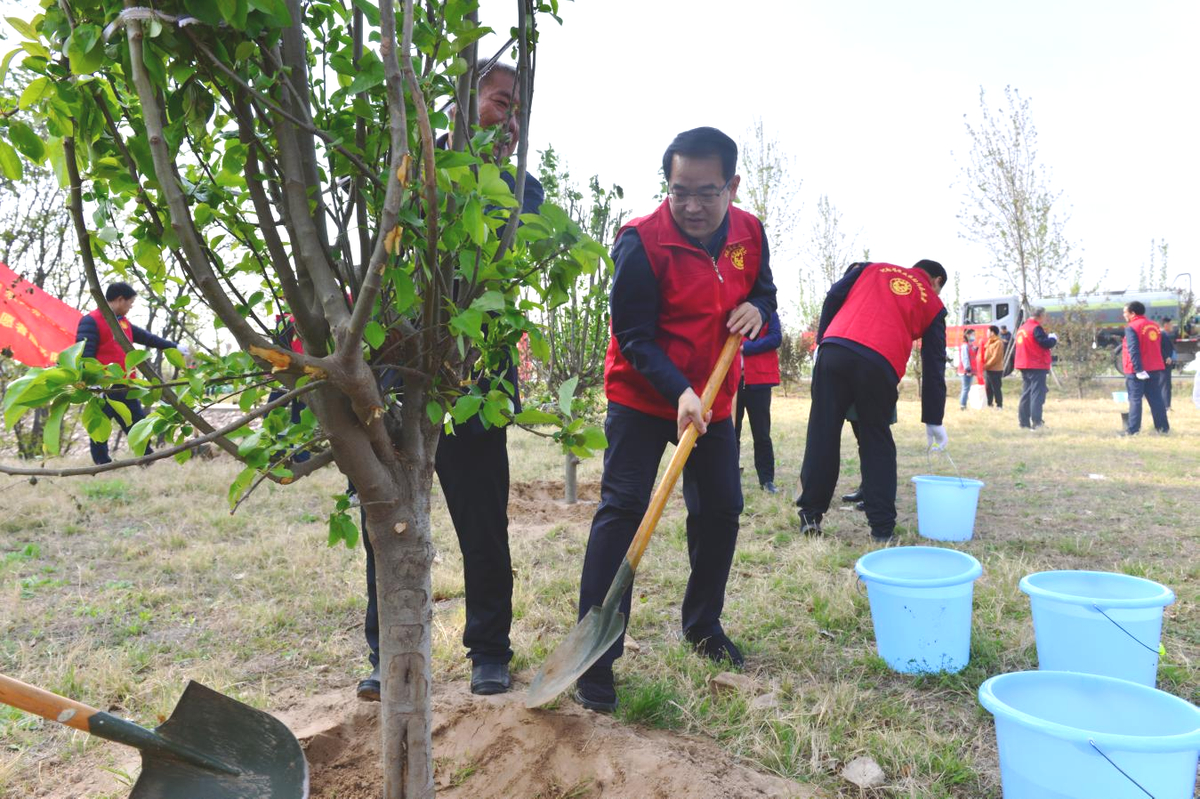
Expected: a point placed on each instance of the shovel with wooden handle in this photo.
(212, 747)
(602, 625)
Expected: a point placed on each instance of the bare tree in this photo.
(1008, 205)
(770, 190)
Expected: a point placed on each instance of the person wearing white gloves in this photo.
(1033, 358)
(1142, 363)
(869, 321)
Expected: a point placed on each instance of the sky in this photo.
(869, 98)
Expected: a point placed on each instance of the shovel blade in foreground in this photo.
(590, 639)
(256, 744)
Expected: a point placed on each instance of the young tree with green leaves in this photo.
(283, 154)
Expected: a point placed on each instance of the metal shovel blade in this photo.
(264, 752)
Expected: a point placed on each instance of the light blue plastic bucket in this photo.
(946, 507)
(1097, 622)
(921, 606)
(1063, 735)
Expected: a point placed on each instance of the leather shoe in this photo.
(716, 647)
(810, 524)
(770, 488)
(853, 496)
(596, 690)
(882, 535)
(490, 678)
(368, 689)
(860, 506)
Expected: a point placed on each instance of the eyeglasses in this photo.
(705, 199)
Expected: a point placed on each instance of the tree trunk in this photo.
(571, 469)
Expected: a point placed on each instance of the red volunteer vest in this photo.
(888, 309)
(1149, 345)
(109, 351)
(762, 369)
(1030, 354)
(696, 297)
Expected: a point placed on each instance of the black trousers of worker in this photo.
(472, 468)
(842, 378)
(992, 383)
(99, 449)
(1166, 386)
(756, 401)
(712, 493)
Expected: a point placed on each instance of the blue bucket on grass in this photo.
(1097, 622)
(921, 606)
(1064, 735)
(946, 507)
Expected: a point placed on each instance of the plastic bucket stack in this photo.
(946, 507)
(1097, 622)
(1082, 736)
(921, 601)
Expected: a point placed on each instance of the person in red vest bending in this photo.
(869, 321)
(1033, 359)
(760, 373)
(689, 274)
(1144, 368)
(102, 345)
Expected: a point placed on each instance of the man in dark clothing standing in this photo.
(760, 373)
(868, 323)
(1142, 363)
(1168, 353)
(472, 469)
(1033, 359)
(688, 275)
(102, 345)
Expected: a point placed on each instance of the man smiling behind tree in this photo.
(686, 276)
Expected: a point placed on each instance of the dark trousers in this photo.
(968, 380)
(472, 468)
(992, 384)
(756, 401)
(99, 449)
(1033, 397)
(711, 492)
(1153, 391)
(1166, 385)
(843, 378)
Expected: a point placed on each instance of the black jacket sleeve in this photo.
(1041, 337)
(766, 341)
(148, 339)
(87, 332)
(1135, 350)
(933, 371)
(836, 297)
(634, 303)
(762, 293)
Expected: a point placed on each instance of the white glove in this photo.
(935, 435)
(1053, 337)
(185, 350)
(1143, 375)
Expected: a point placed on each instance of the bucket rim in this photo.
(972, 570)
(1163, 597)
(1120, 741)
(943, 479)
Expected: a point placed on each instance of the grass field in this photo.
(116, 589)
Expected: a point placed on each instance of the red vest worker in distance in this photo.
(687, 275)
(869, 321)
(760, 373)
(1144, 368)
(1033, 359)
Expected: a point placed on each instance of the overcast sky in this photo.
(869, 96)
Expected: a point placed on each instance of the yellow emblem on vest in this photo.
(737, 256)
(901, 286)
(1152, 334)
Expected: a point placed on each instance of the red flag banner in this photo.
(34, 326)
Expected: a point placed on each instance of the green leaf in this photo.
(342, 528)
(594, 438)
(22, 27)
(10, 162)
(489, 301)
(122, 410)
(52, 432)
(466, 407)
(34, 92)
(84, 59)
(370, 73)
(244, 51)
(69, 358)
(140, 434)
(472, 219)
(406, 292)
(468, 321)
(175, 358)
(25, 140)
(240, 484)
(435, 413)
(374, 334)
(535, 416)
(97, 424)
(566, 394)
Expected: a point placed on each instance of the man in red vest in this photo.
(102, 345)
(687, 275)
(1142, 363)
(1033, 359)
(869, 321)
(760, 373)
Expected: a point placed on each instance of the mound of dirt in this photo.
(494, 747)
(537, 504)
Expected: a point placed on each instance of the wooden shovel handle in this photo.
(688, 440)
(45, 704)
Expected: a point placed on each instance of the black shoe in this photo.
(490, 678)
(860, 506)
(716, 647)
(882, 535)
(810, 523)
(368, 689)
(770, 488)
(596, 690)
(854, 496)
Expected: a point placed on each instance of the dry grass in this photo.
(115, 590)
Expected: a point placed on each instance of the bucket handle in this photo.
(929, 458)
(1118, 768)
(1139, 641)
